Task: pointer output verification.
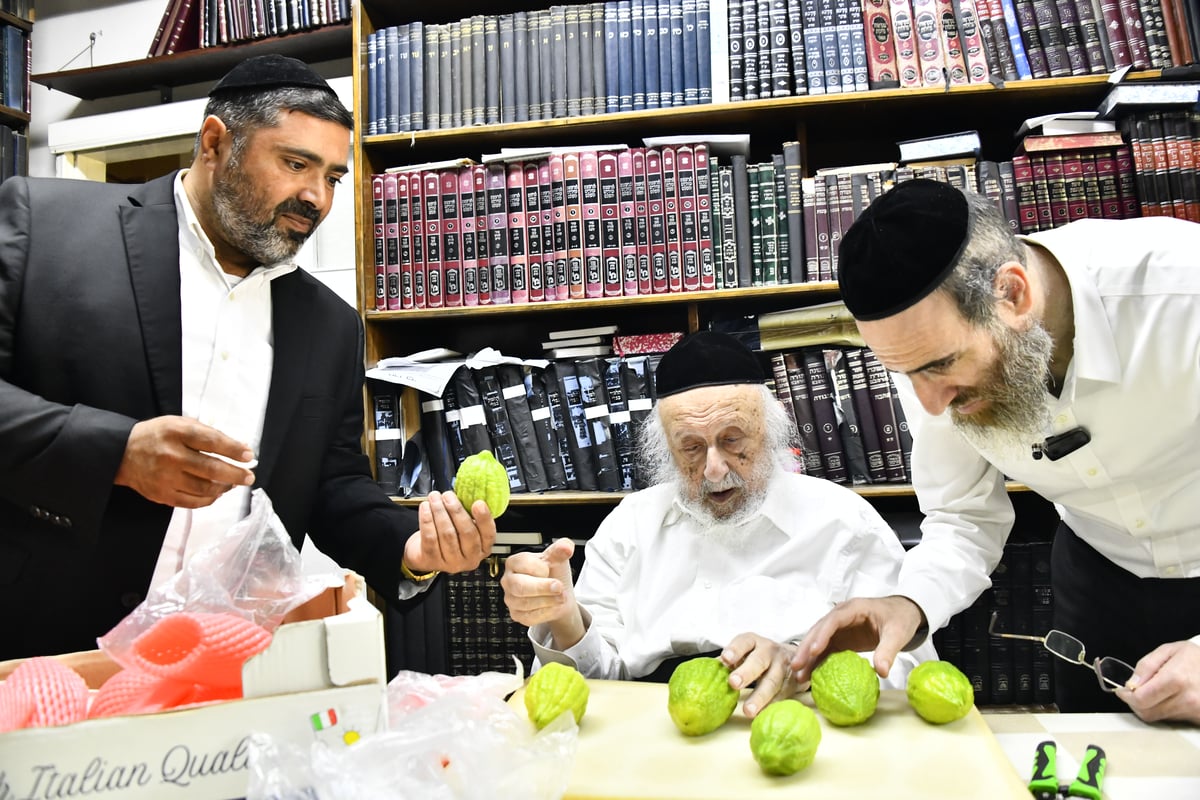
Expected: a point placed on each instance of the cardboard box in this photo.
(320, 678)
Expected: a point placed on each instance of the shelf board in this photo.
(821, 289)
(612, 498)
(15, 21)
(13, 118)
(196, 66)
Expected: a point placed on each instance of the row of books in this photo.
(1166, 158)
(779, 48)
(14, 152)
(580, 224)
(15, 59)
(851, 427)
(1007, 671)
(189, 24)
(482, 637)
(570, 425)
(564, 61)
(18, 8)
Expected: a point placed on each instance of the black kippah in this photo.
(705, 358)
(271, 71)
(901, 248)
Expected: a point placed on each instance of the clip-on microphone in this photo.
(1062, 444)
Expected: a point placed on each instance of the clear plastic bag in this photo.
(456, 740)
(252, 571)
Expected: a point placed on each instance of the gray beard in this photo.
(1020, 412)
(233, 205)
(731, 530)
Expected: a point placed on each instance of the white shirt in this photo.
(228, 355)
(657, 588)
(1133, 383)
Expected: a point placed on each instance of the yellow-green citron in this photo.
(699, 697)
(482, 477)
(845, 688)
(784, 737)
(939, 692)
(553, 689)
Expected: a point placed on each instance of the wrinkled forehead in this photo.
(713, 408)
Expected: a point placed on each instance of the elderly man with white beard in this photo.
(727, 554)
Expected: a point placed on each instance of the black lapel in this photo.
(152, 246)
(292, 326)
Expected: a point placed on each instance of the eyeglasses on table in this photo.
(1112, 673)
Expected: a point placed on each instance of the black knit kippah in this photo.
(705, 358)
(270, 71)
(901, 248)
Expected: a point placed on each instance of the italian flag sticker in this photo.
(323, 720)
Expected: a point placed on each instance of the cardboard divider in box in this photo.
(323, 677)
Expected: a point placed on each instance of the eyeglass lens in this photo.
(1114, 673)
(1065, 646)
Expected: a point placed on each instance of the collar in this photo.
(196, 240)
(1095, 356)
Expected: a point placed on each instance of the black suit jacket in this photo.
(90, 343)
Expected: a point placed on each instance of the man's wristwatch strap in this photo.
(418, 577)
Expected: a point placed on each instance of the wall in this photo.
(62, 40)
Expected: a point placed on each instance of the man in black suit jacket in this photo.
(97, 458)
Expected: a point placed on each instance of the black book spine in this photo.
(1002, 688)
(389, 436)
(560, 422)
(805, 420)
(848, 425)
(594, 399)
(524, 431)
(504, 443)
(880, 387)
(857, 371)
(637, 387)
(620, 423)
(833, 455)
(508, 69)
(472, 416)
(540, 413)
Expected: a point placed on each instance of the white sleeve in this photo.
(968, 516)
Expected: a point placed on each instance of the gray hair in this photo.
(247, 111)
(657, 462)
(990, 243)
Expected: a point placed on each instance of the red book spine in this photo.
(1056, 185)
(1077, 205)
(434, 268)
(704, 218)
(628, 212)
(1041, 193)
(689, 233)
(573, 200)
(558, 201)
(404, 246)
(658, 225)
(380, 238)
(881, 45)
(1126, 183)
(1106, 181)
(1118, 45)
(391, 254)
(546, 209)
(1091, 186)
(483, 273)
(416, 214)
(533, 234)
(970, 36)
(610, 224)
(927, 33)
(518, 262)
(589, 191)
(1026, 200)
(467, 217)
(642, 223)
(952, 47)
(497, 223)
(670, 184)
(1135, 33)
(451, 239)
(908, 64)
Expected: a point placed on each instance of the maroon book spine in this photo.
(589, 191)
(514, 204)
(452, 288)
(704, 217)
(642, 221)
(670, 184)
(497, 225)
(467, 217)
(379, 234)
(483, 273)
(572, 191)
(534, 249)
(628, 220)
(434, 267)
(610, 224)
(689, 234)
(658, 225)
(416, 215)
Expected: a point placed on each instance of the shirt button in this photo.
(224, 355)
(1171, 570)
(707, 585)
(1092, 472)
(1061, 419)
(1141, 523)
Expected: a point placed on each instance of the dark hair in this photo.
(990, 243)
(247, 111)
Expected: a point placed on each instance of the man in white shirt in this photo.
(1067, 360)
(161, 353)
(725, 554)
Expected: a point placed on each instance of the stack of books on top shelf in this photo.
(563, 61)
(579, 342)
(189, 24)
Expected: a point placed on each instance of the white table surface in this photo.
(1145, 762)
